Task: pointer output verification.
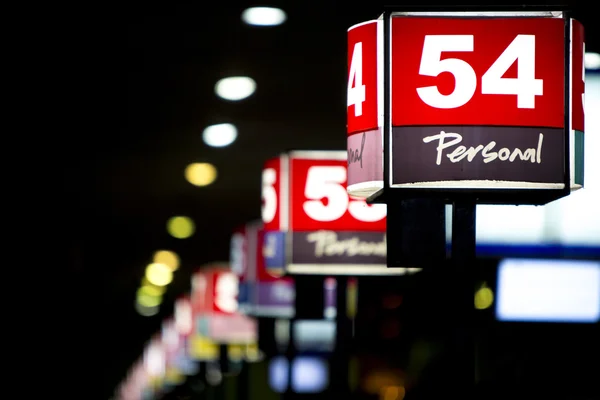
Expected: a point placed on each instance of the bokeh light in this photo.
(219, 135)
(235, 88)
(146, 311)
(159, 274)
(592, 60)
(264, 16)
(484, 298)
(168, 258)
(181, 227)
(151, 287)
(151, 290)
(148, 299)
(201, 174)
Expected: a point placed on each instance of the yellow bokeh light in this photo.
(167, 257)
(251, 352)
(200, 174)
(159, 274)
(146, 311)
(484, 297)
(151, 290)
(235, 352)
(201, 348)
(174, 376)
(181, 227)
(146, 300)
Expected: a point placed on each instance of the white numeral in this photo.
(356, 90)
(269, 195)
(226, 291)
(520, 50)
(433, 65)
(362, 211)
(328, 182)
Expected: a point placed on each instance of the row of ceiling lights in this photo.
(159, 273)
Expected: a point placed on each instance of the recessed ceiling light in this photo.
(264, 16)
(235, 88)
(592, 60)
(200, 174)
(179, 227)
(219, 135)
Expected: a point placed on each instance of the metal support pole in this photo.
(290, 354)
(341, 355)
(308, 304)
(243, 382)
(463, 256)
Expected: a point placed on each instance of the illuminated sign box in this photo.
(262, 292)
(481, 103)
(560, 291)
(312, 226)
(215, 307)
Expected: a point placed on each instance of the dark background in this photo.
(167, 58)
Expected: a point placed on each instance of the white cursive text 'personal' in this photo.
(450, 139)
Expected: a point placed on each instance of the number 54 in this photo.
(521, 49)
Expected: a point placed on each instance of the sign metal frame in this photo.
(535, 196)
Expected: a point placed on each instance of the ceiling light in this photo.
(146, 299)
(264, 16)
(235, 88)
(159, 274)
(180, 227)
(200, 174)
(169, 258)
(592, 60)
(146, 311)
(219, 135)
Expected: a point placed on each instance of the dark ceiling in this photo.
(170, 57)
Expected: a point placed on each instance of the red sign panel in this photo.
(272, 216)
(478, 71)
(577, 77)
(306, 191)
(325, 231)
(362, 95)
(319, 200)
(215, 290)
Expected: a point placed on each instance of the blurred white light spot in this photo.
(154, 360)
(330, 313)
(213, 375)
(264, 16)
(592, 60)
(226, 291)
(219, 135)
(235, 88)
(183, 316)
